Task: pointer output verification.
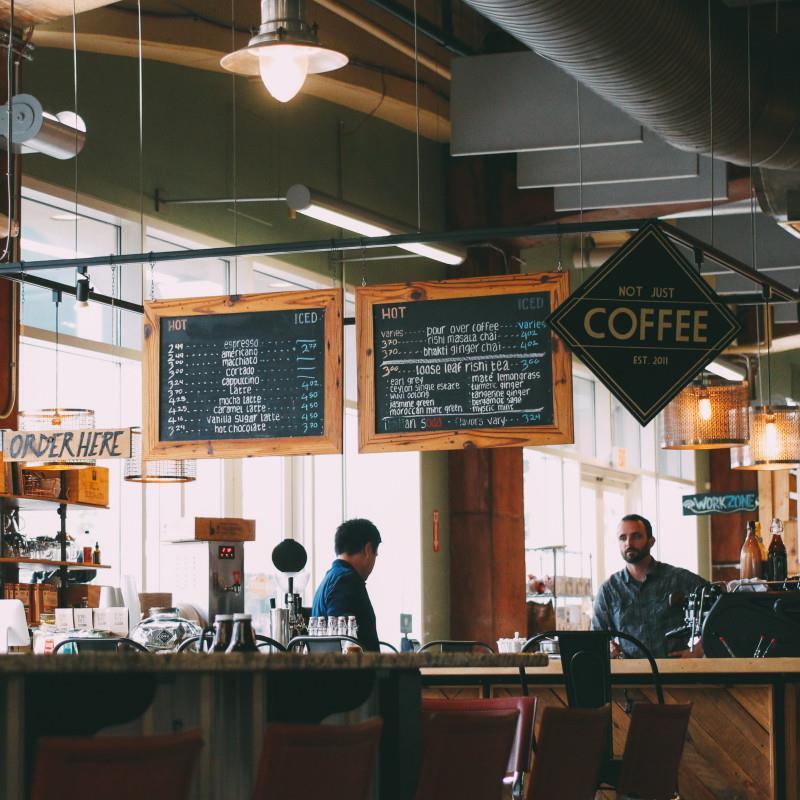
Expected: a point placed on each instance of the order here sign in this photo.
(646, 323)
(57, 445)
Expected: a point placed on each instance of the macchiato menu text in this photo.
(254, 375)
(463, 363)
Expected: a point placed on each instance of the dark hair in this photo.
(354, 534)
(648, 528)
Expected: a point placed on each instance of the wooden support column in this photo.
(487, 529)
(487, 544)
(774, 500)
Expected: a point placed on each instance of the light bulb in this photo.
(283, 69)
(704, 408)
(770, 440)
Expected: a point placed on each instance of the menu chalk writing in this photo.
(242, 376)
(463, 363)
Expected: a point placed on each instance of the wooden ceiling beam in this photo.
(36, 12)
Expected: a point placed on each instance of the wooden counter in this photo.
(229, 698)
(743, 734)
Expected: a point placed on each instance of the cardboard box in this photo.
(118, 620)
(89, 485)
(148, 600)
(22, 592)
(224, 529)
(83, 593)
(101, 619)
(44, 600)
(84, 618)
(65, 621)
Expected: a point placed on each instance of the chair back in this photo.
(465, 753)
(110, 645)
(386, 647)
(315, 761)
(269, 644)
(116, 767)
(320, 644)
(569, 753)
(519, 758)
(653, 751)
(456, 646)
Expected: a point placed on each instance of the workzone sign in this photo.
(646, 323)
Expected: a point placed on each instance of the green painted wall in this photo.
(188, 152)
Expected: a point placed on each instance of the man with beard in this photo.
(635, 600)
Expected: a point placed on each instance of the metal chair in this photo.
(320, 644)
(302, 761)
(267, 641)
(455, 646)
(117, 645)
(569, 755)
(390, 647)
(520, 757)
(198, 644)
(465, 753)
(116, 767)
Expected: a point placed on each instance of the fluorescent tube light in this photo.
(357, 220)
(725, 371)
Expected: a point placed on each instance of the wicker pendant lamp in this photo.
(707, 416)
(164, 470)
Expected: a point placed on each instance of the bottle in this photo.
(352, 627)
(331, 630)
(341, 626)
(96, 553)
(750, 555)
(763, 548)
(223, 631)
(243, 638)
(777, 565)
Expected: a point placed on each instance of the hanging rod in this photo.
(162, 200)
(363, 244)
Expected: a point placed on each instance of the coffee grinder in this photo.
(289, 558)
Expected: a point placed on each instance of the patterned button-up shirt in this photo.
(642, 609)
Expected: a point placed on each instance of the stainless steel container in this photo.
(279, 625)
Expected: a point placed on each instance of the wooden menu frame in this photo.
(331, 439)
(556, 284)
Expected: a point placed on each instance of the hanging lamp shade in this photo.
(707, 417)
(284, 50)
(774, 440)
(60, 419)
(164, 470)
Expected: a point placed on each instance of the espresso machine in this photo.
(208, 571)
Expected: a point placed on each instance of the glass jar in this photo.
(164, 630)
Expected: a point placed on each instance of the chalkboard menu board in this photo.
(471, 362)
(239, 376)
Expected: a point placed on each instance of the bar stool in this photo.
(465, 753)
(519, 759)
(304, 761)
(115, 767)
(657, 730)
(569, 755)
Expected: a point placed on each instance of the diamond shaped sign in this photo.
(646, 323)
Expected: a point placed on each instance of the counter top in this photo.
(639, 666)
(273, 662)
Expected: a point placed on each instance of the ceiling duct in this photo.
(651, 61)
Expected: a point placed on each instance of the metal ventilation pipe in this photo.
(650, 59)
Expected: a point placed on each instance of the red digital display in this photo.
(227, 552)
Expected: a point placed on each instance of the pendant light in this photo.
(707, 416)
(165, 470)
(284, 50)
(57, 418)
(774, 440)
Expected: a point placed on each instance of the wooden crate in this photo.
(224, 529)
(40, 483)
(6, 477)
(80, 594)
(44, 599)
(89, 485)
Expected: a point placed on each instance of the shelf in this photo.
(39, 503)
(49, 563)
(550, 595)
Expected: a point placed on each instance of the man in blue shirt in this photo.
(343, 591)
(636, 600)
